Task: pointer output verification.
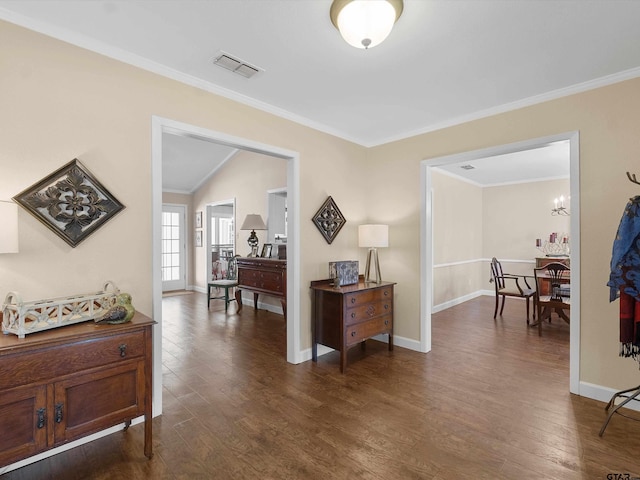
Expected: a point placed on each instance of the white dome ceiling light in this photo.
(365, 23)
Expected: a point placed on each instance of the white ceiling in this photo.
(187, 162)
(548, 162)
(446, 61)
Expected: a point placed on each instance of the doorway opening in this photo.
(173, 266)
(427, 236)
(220, 235)
(161, 126)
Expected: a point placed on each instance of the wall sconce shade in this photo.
(373, 237)
(253, 222)
(365, 23)
(9, 225)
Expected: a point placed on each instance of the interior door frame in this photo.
(426, 237)
(160, 125)
(207, 235)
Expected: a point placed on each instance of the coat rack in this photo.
(630, 393)
(632, 178)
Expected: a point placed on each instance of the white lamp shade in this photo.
(253, 221)
(373, 236)
(365, 23)
(9, 226)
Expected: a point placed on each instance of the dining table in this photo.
(564, 292)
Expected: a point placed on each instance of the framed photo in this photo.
(198, 238)
(71, 202)
(266, 250)
(198, 219)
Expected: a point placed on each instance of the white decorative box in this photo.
(22, 318)
(344, 272)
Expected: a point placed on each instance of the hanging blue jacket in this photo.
(625, 257)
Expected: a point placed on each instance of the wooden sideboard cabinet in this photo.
(542, 261)
(348, 315)
(262, 275)
(63, 384)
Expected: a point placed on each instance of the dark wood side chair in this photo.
(508, 285)
(229, 281)
(553, 292)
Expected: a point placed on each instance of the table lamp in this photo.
(9, 225)
(253, 222)
(373, 237)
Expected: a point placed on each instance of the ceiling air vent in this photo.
(467, 167)
(236, 65)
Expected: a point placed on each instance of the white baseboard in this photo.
(604, 394)
(459, 300)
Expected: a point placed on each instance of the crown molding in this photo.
(93, 45)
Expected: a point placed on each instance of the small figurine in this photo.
(121, 313)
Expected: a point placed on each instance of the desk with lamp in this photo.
(260, 275)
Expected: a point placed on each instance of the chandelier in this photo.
(558, 207)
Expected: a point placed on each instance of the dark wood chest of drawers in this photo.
(262, 276)
(63, 384)
(348, 315)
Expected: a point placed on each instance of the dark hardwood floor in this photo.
(490, 401)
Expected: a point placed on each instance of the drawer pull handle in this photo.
(58, 412)
(353, 300)
(123, 350)
(353, 314)
(386, 293)
(353, 334)
(386, 322)
(42, 417)
(386, 307)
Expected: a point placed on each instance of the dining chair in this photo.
(508, 285)
(553, 292)
(229, 281)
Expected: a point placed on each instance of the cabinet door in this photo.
(94, 401)
(23, 423)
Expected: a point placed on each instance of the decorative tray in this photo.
(21, 318)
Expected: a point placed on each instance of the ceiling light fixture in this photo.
(365, 23)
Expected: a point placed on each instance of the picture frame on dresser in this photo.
(266, 250)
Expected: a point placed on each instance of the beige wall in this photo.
(66, 102)
(514, 216)
(607, 119)
(458, 230)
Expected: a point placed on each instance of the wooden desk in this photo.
(262, 275)
(348, 315)
(69, 382)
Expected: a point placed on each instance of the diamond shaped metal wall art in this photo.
(71, 202)
(329, 220)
